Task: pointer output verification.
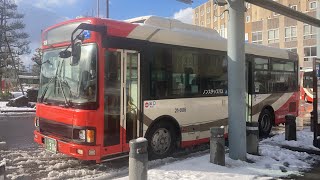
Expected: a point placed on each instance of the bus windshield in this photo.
(71, 84)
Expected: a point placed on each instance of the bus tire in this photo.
(161, 140)
(265, 123)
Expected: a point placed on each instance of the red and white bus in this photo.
(149, 77)
(306, 84)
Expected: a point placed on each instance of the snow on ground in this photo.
(2, 162)
(4, 107)
(16, 94)
(273, 162)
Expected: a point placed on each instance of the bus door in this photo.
(122, 93)
(130, 95)
(249, 93)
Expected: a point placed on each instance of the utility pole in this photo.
(107, 9)
(236, 81)
(318, 30)
(98, 8)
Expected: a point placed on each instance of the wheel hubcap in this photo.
(161, 141)
(265, 122)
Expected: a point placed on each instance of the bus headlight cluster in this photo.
(87, 135)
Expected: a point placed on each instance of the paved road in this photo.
(17, 130)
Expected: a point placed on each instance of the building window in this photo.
(247, 19)
(197, 15)
(257, 37)
(309, 32)
(202, 23)
(208, 20)
(222, 31)
(248, 5)
(208, 9)
(294, 7)
(290, 33)
(310, 53)
(294, 50)
(202, 12)
(273, 36)
(313, 5)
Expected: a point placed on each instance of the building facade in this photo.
(267, 28)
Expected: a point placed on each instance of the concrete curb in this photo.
(20, 111)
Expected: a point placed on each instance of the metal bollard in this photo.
(311, 121)
(290, 128)
(2, 171)
(138, 159)
(253, 138)
(217, 146)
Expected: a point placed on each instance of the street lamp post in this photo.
(107, 9)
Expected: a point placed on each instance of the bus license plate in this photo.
(50, 144)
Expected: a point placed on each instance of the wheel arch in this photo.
(168, 119)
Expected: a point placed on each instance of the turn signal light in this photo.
(90, 136)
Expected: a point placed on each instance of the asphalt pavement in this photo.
(17, 130)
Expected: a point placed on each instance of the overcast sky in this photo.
(40, 14)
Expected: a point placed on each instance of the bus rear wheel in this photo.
(265, 123)
(161, 140)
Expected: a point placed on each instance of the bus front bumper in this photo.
(75, 150)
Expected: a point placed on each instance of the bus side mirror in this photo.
(76, 54)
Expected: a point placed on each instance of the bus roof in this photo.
(171, 31)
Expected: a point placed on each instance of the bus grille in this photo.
(55, 128)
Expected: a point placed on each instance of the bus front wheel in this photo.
(161, 140)
(265, 123)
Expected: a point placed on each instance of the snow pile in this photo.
(273, 162)
(304, 140)
(4, 107)
(16, 94)
(3, 162)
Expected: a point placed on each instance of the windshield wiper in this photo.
(54, 78)
(46, 89)
(67, 102)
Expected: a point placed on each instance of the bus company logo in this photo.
(150, 104)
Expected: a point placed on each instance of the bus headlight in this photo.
(82, 134)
